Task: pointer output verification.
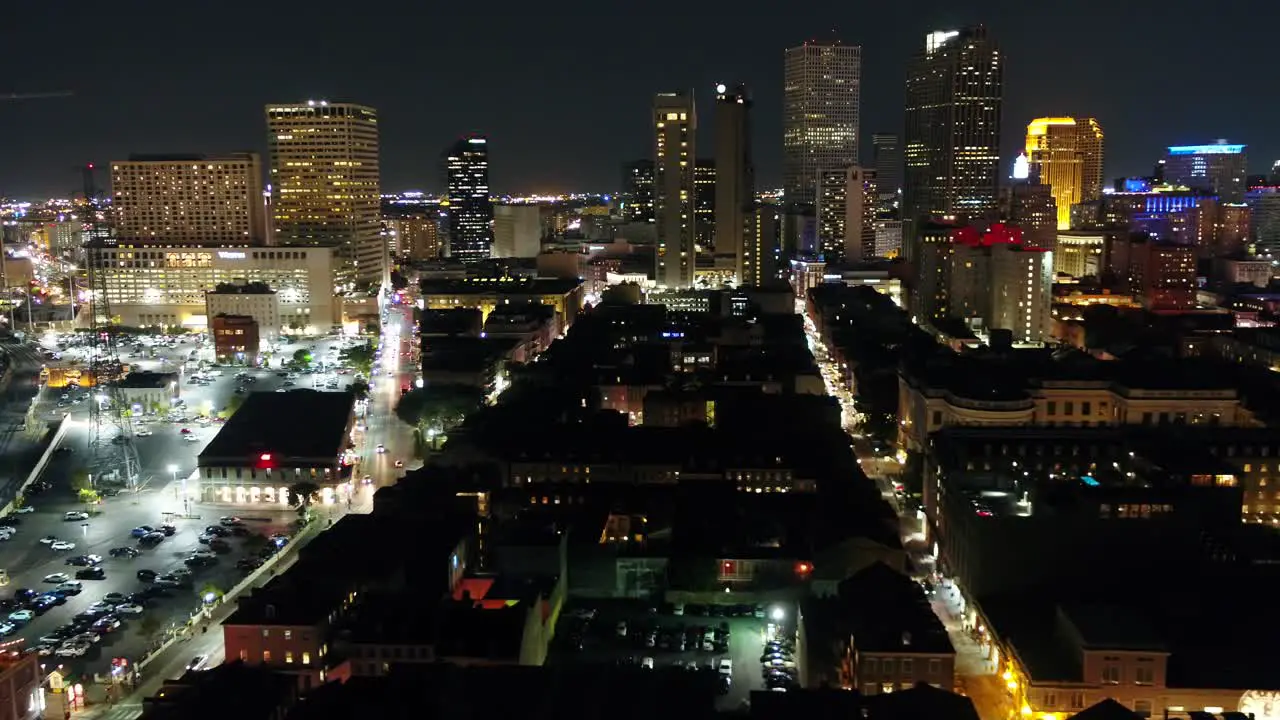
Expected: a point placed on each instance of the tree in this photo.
(302, 357)
(233, 404)
(80, 481)
(302, 494)
(359, 357)
(209, 590)
(150, 625)
(438, 407)
(88, 496)
(360, 388)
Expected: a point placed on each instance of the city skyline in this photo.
(187, 105)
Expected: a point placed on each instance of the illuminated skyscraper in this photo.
(174, 199)
(1218, 168)
(1066, 154)
(704, 203)
(470, 210)
(324, 172)
(886, 149)
(675, 123)
(637, 194)
(735, 172)
(951, 145)
(821, 100)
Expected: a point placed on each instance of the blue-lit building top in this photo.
(1215, 149)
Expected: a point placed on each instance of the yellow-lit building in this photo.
(564, 295)
(180, 199)
(324, 177)
(1066, 154)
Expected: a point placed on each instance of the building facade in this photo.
(846, 211)
(951, 145)
(470, 208)
(158, 285)
(175, 199)
(637, 194)
(517, 231)
(254, 300)
(735, 172)
(822, 103)
(416, 236)
(675, 123)
(1066, 154)
(886, 159)
(325, 185)
(235, 338)
(1218, 168)
(1022, 292)
(704, 204)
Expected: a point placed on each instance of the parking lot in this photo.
(28, 562)
(693, 637)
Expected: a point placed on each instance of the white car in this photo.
(726, 667)
(129, 609)
(72, 648)
(24, 510)
(21, 616)
(62, 545)
(191, 438)
(143, 432)
(75, 515)
(8, 628)
(56, 578)
(202, 553)
(647, 663)
(71, 586)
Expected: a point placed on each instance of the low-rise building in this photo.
(235, 338)
(276, 441)
(148, 392)
(565, 295)
(256, 300)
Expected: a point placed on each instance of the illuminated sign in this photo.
(228, 255)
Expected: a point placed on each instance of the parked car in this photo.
(124, 552)
(142, 531)
(147, 575)
(84, 560)
(91, 573)
(71, 515)
(168, 529)
(71, 587)
(61, 546)
(129, 609)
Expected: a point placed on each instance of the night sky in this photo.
(563, 88)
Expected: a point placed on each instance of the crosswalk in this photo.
(119, 711)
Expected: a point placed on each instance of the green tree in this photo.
(233, 404)
(359, 357)
(360, 388)
(302, 357)
(438, 407)
(302, 494)
(88, 496)
(209, 589)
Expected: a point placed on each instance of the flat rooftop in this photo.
(299, 424)
(507, 285)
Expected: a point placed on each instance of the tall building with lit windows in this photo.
(175, 199)
(735, 172)
(470, 208)
(324, 179)
(821, 104)
(951, 139)
(1219, 168)
(675, 123)
(1066, 154)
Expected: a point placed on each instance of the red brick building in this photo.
(235, 338)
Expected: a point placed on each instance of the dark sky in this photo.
(563, 87)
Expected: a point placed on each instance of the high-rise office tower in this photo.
(1022, 292)
(324, 175)
(637, 192)
(886, 160)
(1066, 154)
(735, 172)
(951, 145)
(675, 123)
(821, 104)
(175, 199)
(846, 214)
(704, 203)
(1219, 168)
(470, 210)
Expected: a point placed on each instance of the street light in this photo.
(173, 469)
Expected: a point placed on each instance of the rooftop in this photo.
(142, 379)
(306, 425)
(502, 285)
